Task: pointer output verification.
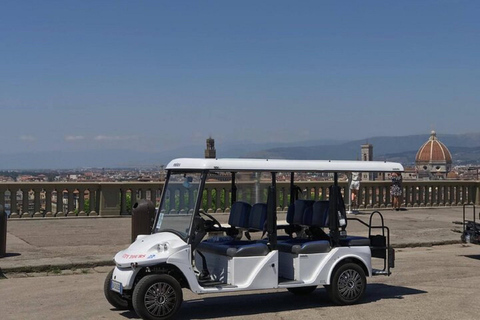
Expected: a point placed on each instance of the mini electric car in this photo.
(189, 248)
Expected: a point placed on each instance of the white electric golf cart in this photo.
(189, 248)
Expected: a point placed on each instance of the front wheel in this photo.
(348, 284)
(157, 297)
(114, 298)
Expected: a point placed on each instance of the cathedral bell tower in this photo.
(210, 152)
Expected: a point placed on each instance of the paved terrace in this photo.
(50, 244)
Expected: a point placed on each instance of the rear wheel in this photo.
(157, 297)
(348, 284)
(302, 291)
(114, 298)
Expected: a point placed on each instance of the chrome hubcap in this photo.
(350, 284)
(160, 299)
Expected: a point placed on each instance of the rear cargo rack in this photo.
(380, 244)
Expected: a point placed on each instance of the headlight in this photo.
(161, 247)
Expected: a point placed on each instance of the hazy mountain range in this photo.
(465, 148)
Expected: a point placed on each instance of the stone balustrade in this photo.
(52, 199)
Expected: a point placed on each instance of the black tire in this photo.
(114, 298)
(348, 284)
(302, 291)
(157, 297)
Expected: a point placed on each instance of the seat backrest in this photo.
(340, 205)
(239, 214)
(320, 213)
(290, 213)
(300, 207)
(258, 217)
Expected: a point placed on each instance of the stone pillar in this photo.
(134, 196)
(109, 200)
(25, 202)
(81, 202)
(92, 201)
(123, 201)
(477, 195)
(48, 203)
(2, 199)
(70, 206)
(36, 203)
(59, 212)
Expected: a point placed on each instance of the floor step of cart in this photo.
(377, 272)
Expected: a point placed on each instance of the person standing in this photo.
(354, 187)
(396, 190)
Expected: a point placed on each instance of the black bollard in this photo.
(143, 215)
(3, 232)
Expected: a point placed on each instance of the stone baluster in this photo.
(209, 200)
(458, 198)
(471, 195)
(453, 200)
(427, 196)
(227, 199)
(437, 195)
(440, 199)
(92, 199)
(70, 202)
(36, 202)
(407, 193)
(25, 201)
(477, 194)
(2, 198)
(181, 200)
(13, 204)
(134, 196)
(366, 197)
(60, 209)
(123, 201)
(381, 196)
(81, 202)
(446, 202)
(218, 200)
(48, 202)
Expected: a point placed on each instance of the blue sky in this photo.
(155, 75)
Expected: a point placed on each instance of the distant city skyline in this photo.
(153, 76)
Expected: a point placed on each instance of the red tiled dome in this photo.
(433, 151)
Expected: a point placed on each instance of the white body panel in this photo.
(236, 273)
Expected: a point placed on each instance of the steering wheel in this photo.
(212, 218)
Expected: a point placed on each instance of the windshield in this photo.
(178, 203)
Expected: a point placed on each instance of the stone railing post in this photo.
(36, 202)
(109, 199)
(25, 211)
(2, 196)
(81, 202)
(48, 202)
(70, 206)
(477, 194)
(123, 201)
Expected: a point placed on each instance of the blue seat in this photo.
(235, 249)
(258, 217)
(300, 207)
(303, 246)
(320, 213)
(239, 214)
(247, 217)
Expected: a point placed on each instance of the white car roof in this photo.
(277, 165)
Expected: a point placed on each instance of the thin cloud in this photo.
(74, 138)
(114, 138)
(28, 138)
